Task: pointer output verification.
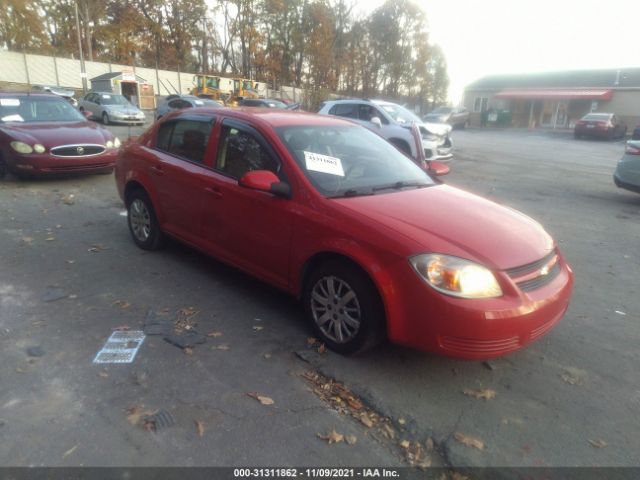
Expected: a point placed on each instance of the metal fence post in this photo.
(26, 68)
(55, 69)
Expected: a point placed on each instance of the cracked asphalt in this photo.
(70, 275)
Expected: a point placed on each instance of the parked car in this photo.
(636, 133)
(261, 102)
(627, 174)
(42, 134)
(393, 122)
(68, 95)
(177, 102)
(603, 125)
(111, 108)
(330, 212)
(456, 117)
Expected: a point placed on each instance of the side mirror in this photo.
(376, 121)
(437, 168)
(265, 181)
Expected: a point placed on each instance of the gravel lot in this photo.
(71, 275)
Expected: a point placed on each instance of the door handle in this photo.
(157, 170)
(214, 192)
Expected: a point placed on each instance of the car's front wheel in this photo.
(344, 307)
(105, 118)
(143, 223)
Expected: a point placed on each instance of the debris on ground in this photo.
(36, 351)
(414, 454)
(54, 294)
(332, 437)
(573, 376)
(351, 439)
(485, 394)
(262, 399)
(184, 340)
(214, 334)
(69, 199)
(70, 451)
(123, 304)
(158, 421)
(97, 247)
(157, 325)
(224, 346)
(199, 427)
(599, 443)
(488, 365)
(468, 440)
(257, 328)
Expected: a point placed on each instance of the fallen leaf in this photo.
(354, 403)
(96, 248)
(351, 439)
(429, 444)
(49, 239)
(122, 304)
(200, 428)
(573, 376)
(58, 226)
(135, 414)
(188, 311)
(224, 346)
(405, 444)
(188, 351)
(332, 437)
(311, 340)
(214, 334)
(599, 443)
(27, 240)
(389, 431)
(621, 313)
(469, 441)
(486, 394)
(366, 420)
(267, 356)
(70, 451)
(257, 327)
(69, 199)
(71, 262)
(402, 421)
(262, 399)
(103, 374)
(322, 349)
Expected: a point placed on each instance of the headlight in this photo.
(21, 147)
(39, 148)
(116, 142)
(109, 144)
(456, 276)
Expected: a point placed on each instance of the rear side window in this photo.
(185, 138)
(348, 110)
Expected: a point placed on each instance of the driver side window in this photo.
(240, 152)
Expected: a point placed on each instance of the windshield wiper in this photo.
(352, 192)
(401, 184)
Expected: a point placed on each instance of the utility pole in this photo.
(83, 71)
(205, 53)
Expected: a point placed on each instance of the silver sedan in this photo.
(111, 108)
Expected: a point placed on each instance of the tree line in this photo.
(321, 45)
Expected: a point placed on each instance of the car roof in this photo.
(28, 94)
(270, 117)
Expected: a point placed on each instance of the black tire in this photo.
(105, 118)
(3, 167)
(366, 300)
(150, 238)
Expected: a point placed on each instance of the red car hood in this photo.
(444, 219)
(57, 133)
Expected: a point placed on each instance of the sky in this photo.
(486, 37)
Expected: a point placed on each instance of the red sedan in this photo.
(602, 125)
(333, 214)
(42, 134)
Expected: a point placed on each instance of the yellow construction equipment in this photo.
(243, 88)
(208, 86)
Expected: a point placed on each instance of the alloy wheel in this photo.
(335, 309)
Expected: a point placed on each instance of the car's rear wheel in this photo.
(105, 118)
(143, 223)
(344, 307)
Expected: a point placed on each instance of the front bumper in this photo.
(46, 164)
(421, 318)
(441, 151)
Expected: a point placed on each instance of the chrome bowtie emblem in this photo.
(80, 150)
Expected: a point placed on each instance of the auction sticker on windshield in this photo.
(9, 102)
(317, 162)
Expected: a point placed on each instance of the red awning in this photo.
(556, 93)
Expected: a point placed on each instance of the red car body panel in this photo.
(275, 239)
(51, 135)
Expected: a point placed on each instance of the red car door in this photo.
(180, 169)
(251, 229)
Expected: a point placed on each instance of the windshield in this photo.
(37, 109)
(350, 161)
(400, 114)
(275, 104)
(109, 99)
(597, 116)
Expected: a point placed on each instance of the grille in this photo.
(542, 280)
(530, 267)
(468, 345)
(77, 150)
